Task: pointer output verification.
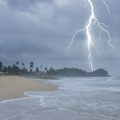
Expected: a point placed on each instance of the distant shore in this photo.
(14, 86)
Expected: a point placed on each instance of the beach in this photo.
(14, 86)
(82, 98)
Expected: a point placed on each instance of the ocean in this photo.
(77, 98)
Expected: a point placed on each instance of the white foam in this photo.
(12, 100)
(92, 97)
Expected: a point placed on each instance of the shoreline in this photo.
(13, 87)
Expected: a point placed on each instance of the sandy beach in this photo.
(15, 86)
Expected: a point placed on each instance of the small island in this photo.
(75, 72)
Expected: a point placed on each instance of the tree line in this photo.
(20, 68)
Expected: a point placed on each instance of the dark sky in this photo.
(41, 30)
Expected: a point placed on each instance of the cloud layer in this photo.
(40, 31)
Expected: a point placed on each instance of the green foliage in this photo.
(71, 72)
(31, 64)
(37, 70)
(68, 72)
(1, 66)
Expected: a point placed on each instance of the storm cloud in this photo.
(41, 30)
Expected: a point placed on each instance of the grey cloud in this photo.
(42, 29)
(24, 4)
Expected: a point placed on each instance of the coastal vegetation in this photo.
(20, 69)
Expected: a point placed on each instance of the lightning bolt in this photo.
(87, 28)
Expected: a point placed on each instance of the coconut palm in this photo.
(31, 66)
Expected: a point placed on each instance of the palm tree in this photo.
(31, 66)
(46, 69)
(37, 70)
(23, 69)
(14, 69)
(1, 66)
(17, 63)
(17, 67)
(9, 69)
(23, 64)
(4, 69)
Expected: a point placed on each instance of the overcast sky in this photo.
(41, 30)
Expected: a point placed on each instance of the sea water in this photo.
(76, 99)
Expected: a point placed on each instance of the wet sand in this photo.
(15, 86)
